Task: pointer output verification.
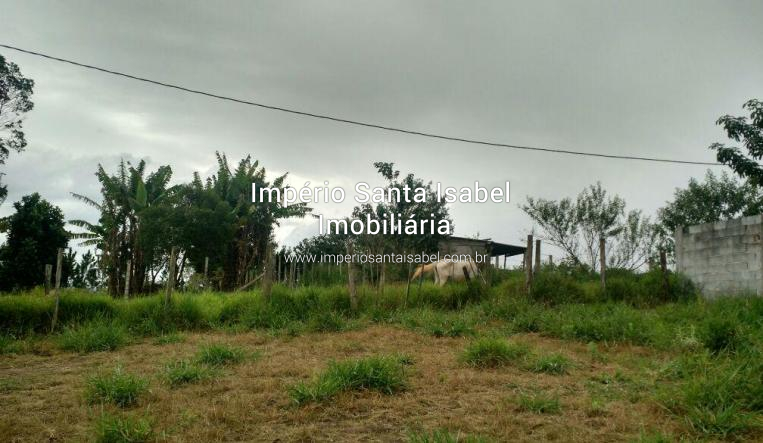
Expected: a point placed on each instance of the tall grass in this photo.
(385, 374)
(493, 352)
(117, 387)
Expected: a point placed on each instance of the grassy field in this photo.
(451, 364)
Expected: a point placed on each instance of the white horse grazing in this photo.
(445, 270)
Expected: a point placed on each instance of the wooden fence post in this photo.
(170, 277)
(48, 276)
(206, 273)
(603, 262)
(408, 284)
(537, 256)
(551, 260)
(267, 277)
(127, 279)
(529, 264)
(59, 261)
(351, 279)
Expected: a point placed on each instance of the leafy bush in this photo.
(180, 372)
(722, 335)
(551, 287)
(493, 352)
(385, 374)
(220, 355)
(93, 336)
(117, 387)
(123, 429)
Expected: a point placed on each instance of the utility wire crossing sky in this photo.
(355, 122)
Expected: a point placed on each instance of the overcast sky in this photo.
(645, 78)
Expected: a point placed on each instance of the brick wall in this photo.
(723, 257)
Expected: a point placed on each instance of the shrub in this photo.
(556, 364)
(180, 372)
(123, 429)
(493, 352)
(93, 336)
(444, 436)
(219, 355)
(539, 403)
(551, 287)
(721, 335)
(384, 374)
(117, 387)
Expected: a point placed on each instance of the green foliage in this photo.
(217, 355)
(15, 101)
(385, 374)
(93, 336)
(740, 129)
(491, 352)
(722, 335)
(181, 372)
(111, 428)
(117, 387)
(556, 364)
(551, 287)
(539, 403)
(576, 227)
(444, 436)
(35, 232)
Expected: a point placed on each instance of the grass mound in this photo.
(539, 403)
(117, 387)
(385, 374)
(181, 372)
(217, 355)
(444, 436)
(493, 352)
(93, 336)
(556, 364)
(123, 429)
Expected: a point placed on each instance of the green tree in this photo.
(714, 199)
(15, 93)
(35, 232)
(750, 134)
(575, 226)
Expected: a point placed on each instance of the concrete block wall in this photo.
(723, 258)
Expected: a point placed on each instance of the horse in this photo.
(445, 270)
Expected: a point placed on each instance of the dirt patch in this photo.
(42, 396)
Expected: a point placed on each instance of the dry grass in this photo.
(42, 397)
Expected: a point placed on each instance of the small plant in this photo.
(220, 355)
(596, 408)
(493, 352)
(117, 387)
(556, 364)
(444, 436)
(123, 429)
(182, 372)
(168, 339)
(539, 403)
(93, 336)
(384, 374)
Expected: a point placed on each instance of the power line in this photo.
(356, 122)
